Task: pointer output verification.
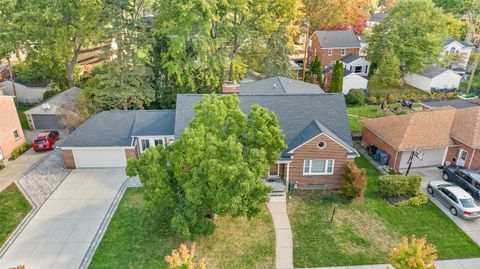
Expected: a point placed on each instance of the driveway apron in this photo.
(63, 229)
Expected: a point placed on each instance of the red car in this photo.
(45, 140)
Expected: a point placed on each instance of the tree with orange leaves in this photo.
(183, 259)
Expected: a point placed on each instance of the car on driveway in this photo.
(45, 140)
(468, 179)
(458, 201)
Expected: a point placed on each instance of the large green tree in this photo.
(316, 70)
(337, 77)
(388, 71)
(411, 33)
(215, 167)
(276, 62)
(59, 29)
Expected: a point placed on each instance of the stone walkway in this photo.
(283, 232)
(43, 178)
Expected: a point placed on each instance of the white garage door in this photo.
(93, 158)
(431, 157)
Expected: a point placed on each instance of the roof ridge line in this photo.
(283, 86)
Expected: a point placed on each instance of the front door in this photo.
(273, 172)
(462, 157)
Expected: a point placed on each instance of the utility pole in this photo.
(305, 53)
(13, 82)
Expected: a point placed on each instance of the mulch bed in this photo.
(394, 200)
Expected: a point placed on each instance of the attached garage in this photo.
(100, 157)
(431, 157)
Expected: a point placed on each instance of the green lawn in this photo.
(475, 84)
(357, 113)
(376, 90)
(13, 208)
(23, 119)
(364, 233)
(136, 239)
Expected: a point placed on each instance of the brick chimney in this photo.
(231, 87)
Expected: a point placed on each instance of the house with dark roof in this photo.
(330, 46)
(455, 103)
(434, 78)
(315, 126)
(459, 50)
(278, 85)
(442, 134)
(376, 19)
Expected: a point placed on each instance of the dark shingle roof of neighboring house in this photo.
(349, 58)
(346, 72)
(278, 85)
(337, 39)
(295, 114)
(115, 128)
(55, 102)
(453, 39)
(154, 122)
(456, 103)
(433, 71)
(378, 17)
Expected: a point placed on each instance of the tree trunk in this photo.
(70, 66)
(472, 74)
(13, 82)
(235, 45)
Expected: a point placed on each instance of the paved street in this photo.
(61, 232)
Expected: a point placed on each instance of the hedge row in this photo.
(398, 185)
(20, 150)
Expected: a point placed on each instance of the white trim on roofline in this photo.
(96, 148)
(322, 133)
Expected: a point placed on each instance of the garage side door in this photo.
(98, 158)
(46, 122)
(431, 157)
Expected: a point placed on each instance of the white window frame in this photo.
(343, 52)
(330, 52)
(327, 161)
(16, 134)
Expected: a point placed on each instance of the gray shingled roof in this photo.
(346, 72)
(115, 128)
(295, 114)
(433, 71)
(56, 101)
(378, 17)
(453, 39)
(278, 85)
(456, 103)
(154, 122)
(337, 39)
(349, 58)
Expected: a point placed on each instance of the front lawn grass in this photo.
(376, 90)
(364, 233)
(21, 108)
(475, 85)
(137, 239)
(357, 113)
(13, 208)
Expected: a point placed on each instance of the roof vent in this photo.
(274, 85)
(290, 81)
(46, 106)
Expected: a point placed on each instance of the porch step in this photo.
(277, 193)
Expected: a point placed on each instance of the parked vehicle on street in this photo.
(45, 140)
(468, 179)
(458, 201)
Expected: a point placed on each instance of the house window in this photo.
(358, 69)
(343, 52)
(333, 63)
(452, 50)
(145, 144)
(158, 142)
(16, 135)
(330, 51)
(318, 167)
(316, 186)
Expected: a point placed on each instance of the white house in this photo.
(461, 48)
(356, 64)
(350, 80)
(434, 77)
(363, 45)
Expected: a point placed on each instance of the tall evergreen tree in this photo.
(316, 70)
(337, 77)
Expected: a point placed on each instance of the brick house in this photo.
(443, 134)
(315, 126)
(11, 133)
(333, 45)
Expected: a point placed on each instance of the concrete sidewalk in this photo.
(445, 264)
(283, 232)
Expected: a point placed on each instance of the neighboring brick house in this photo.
(315, 126)
(443, 134)
(333, 45)
(11, 133)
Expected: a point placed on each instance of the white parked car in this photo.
(457, 200)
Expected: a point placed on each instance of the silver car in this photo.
(458, 201)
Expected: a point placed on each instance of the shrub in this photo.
(398, 185)
(183, 259)
(416, 253)
(391, 98)
(372, 100)
(20, 150)
(50, 93)
(355, 97)
(419, 199)
(354, 181)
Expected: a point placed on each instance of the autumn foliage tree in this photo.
(414, 254)
(354, 181)
(183, 259)
(214, 167)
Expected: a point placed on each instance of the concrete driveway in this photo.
(63, 229)
(470, 227)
